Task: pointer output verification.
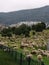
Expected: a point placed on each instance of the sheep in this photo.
(25, 51)
(5, 49)
(34, 52)
(39, 57)
(47, 55)
(29, 55)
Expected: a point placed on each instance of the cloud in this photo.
(12, 5)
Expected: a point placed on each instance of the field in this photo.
(35, 44)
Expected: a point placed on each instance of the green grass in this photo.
(5, 59)
(45, 59)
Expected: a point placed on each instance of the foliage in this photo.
(39, 27)
(6, 32)
(23, 29)
(6, 59)
(32, 32)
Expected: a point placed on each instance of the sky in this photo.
(15, 5)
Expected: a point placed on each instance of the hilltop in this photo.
(38, 14)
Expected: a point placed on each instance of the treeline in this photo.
(23, 29)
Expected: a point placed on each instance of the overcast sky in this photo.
(14, 5)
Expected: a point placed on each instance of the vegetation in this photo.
(27, 39)
(6, 59)
(23, 29)
(39, 27)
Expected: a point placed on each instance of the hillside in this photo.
(38, 14)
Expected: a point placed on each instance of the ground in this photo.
(5, 59)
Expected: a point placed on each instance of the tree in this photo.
(6, 32)
(39, 27)
(23, 29)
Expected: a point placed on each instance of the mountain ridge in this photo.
(37, 14)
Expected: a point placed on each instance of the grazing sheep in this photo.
(5, 49)
(39, 57)
(47, 55)
(40, 60)
(15, 48)
(22, 45)
(33, 48)
(34, 52)
(25, 51)
(33, 44)
(29, 55)
(44, 54)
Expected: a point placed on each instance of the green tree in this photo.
(6, 32)
(39, 27)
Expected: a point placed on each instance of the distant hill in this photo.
(38, 14)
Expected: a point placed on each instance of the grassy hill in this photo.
(37, 42)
